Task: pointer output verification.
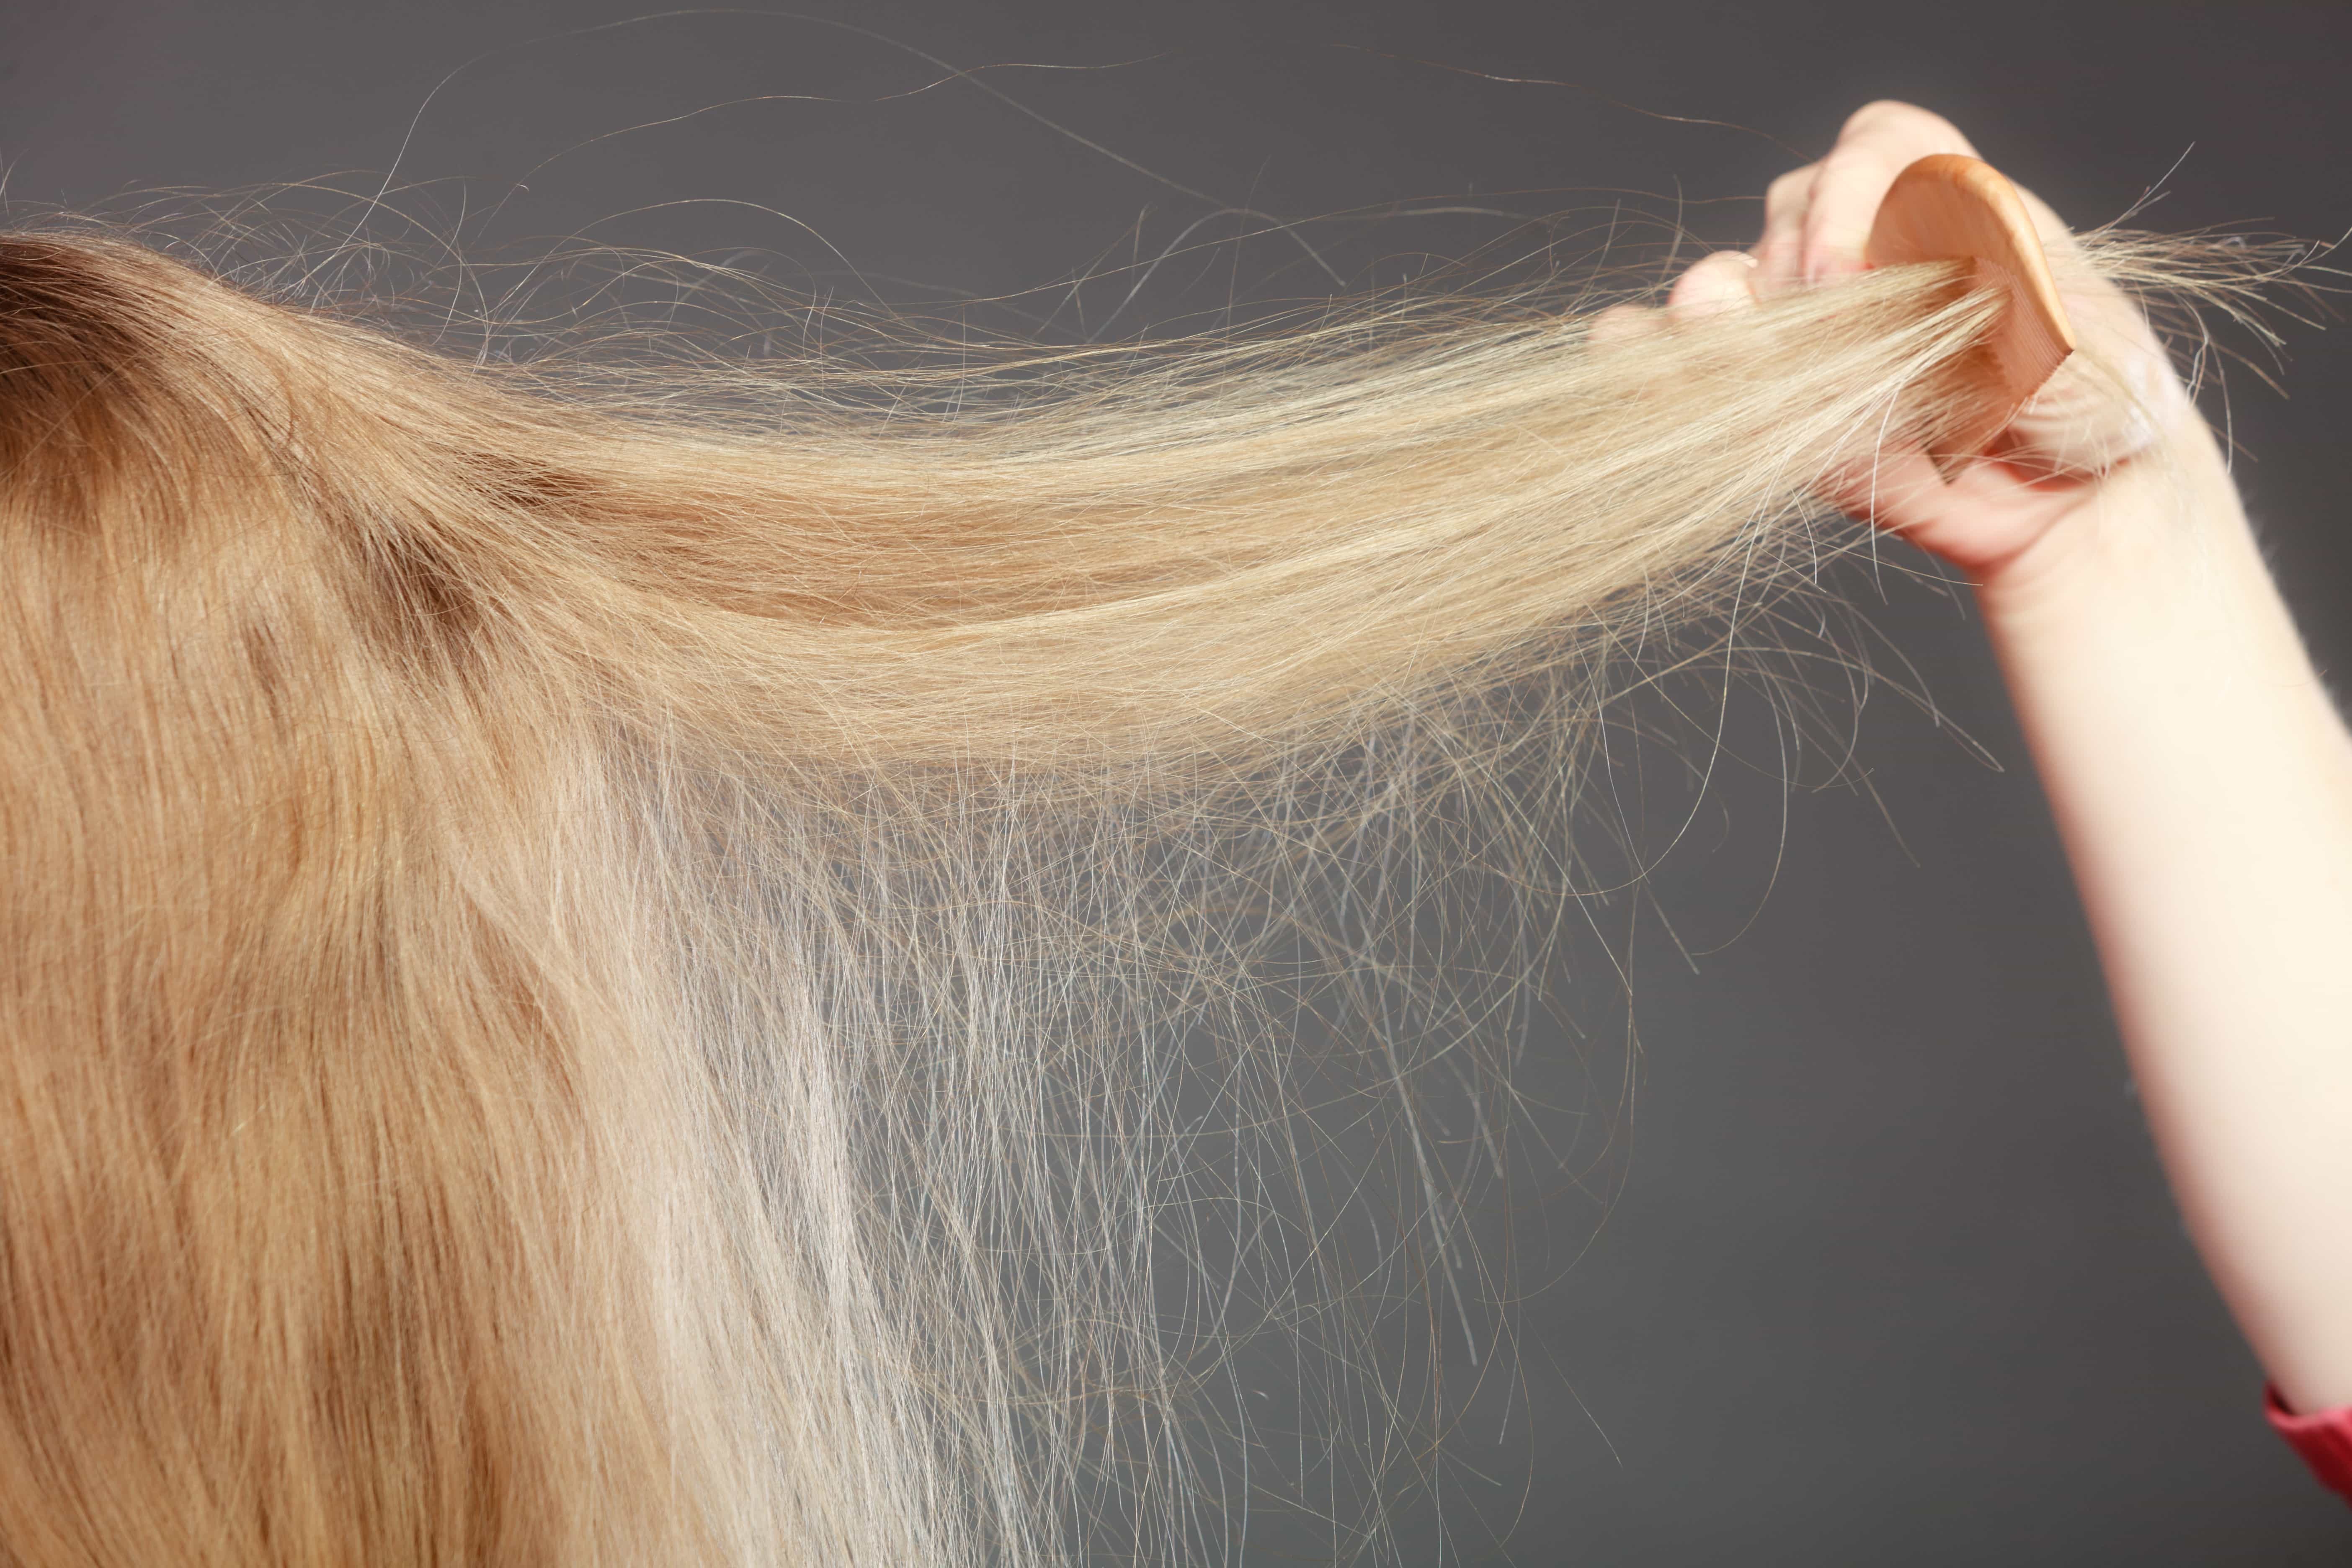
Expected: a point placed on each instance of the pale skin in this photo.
(2198, 771)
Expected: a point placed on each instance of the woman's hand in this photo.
(1994, 519)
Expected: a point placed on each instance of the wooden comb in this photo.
(1946, 207)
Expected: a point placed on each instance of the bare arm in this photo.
(2202, 782)
(2200, 775)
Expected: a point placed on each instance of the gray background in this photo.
(1893, 1278)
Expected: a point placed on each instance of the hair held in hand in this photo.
(633, 959)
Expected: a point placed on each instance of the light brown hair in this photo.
(589, 958)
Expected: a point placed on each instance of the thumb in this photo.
(2118, 394)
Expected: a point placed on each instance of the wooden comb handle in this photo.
(1946, 207)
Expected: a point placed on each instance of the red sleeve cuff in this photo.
(2325, 1440)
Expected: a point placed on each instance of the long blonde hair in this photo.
(638, 962)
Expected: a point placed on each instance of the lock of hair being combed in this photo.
(610, 967)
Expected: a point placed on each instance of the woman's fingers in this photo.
(1817, 219)
(1899, 489)
(2114, 399)
(1780, 254)
(2111, 401)
(1723, 281)
(1879, 141)
(1623, 324)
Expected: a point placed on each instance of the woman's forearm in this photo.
(2202, 782)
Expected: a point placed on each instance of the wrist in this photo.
(2164, 523)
